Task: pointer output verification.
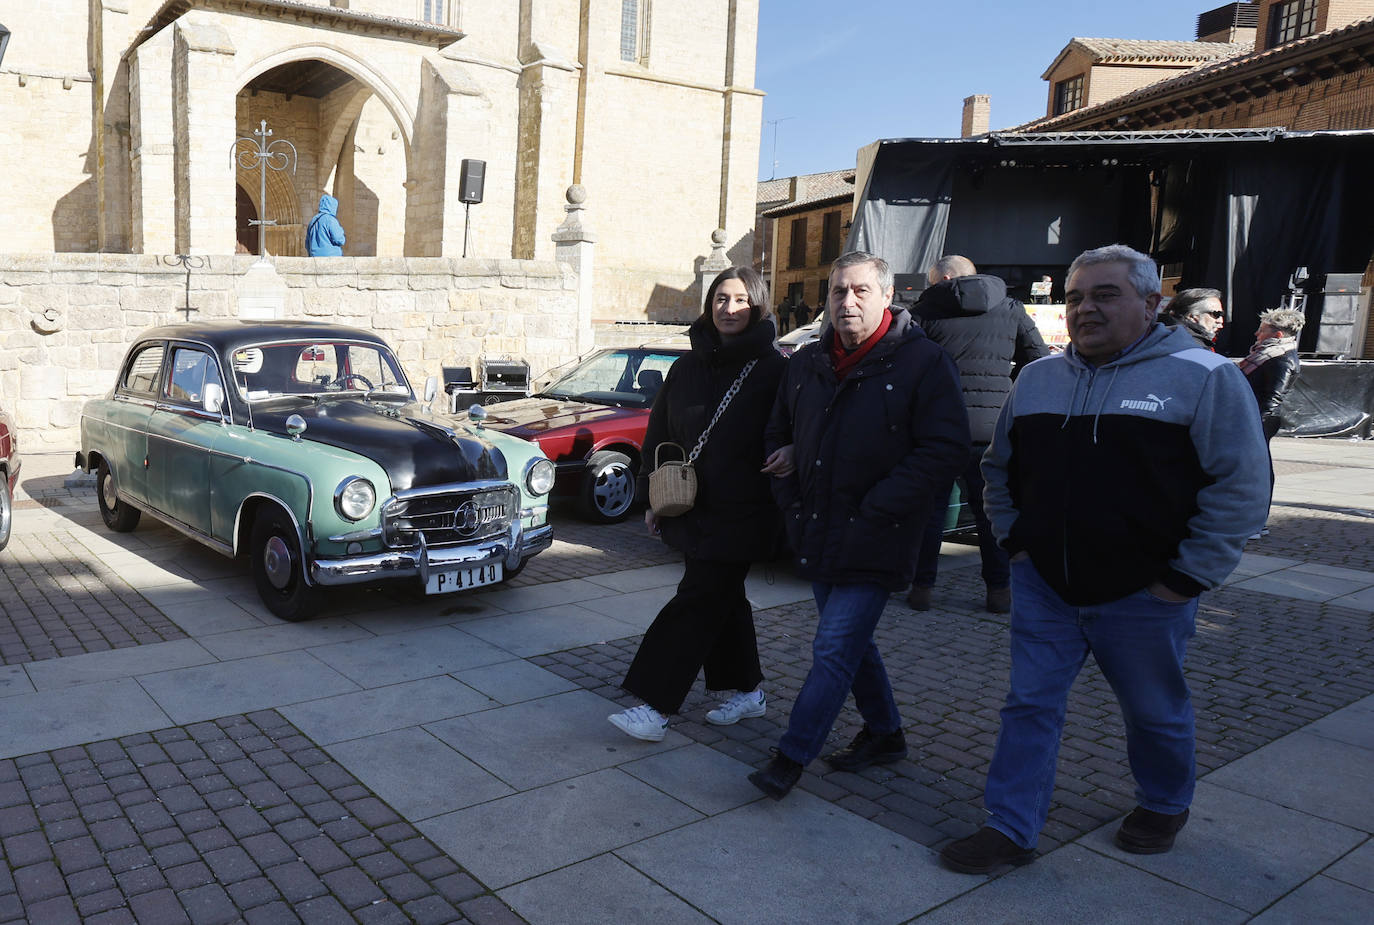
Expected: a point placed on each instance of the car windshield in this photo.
(317, 369)
(628, 378)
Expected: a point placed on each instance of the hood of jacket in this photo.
(414, 448)
(963, 295)
(329, 205)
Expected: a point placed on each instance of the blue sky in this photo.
(840, 75)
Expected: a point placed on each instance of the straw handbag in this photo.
(673, 484)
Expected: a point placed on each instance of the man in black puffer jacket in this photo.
(871, 424)
(990, 337)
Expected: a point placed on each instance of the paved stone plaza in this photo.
(171, 752)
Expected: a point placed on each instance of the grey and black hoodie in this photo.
(1150, 467)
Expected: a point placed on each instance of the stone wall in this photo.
(67, 319)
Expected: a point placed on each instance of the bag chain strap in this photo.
(734, 389)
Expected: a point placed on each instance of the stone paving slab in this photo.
(580, 892)
(710, 866)
(53, 719)
(1244, 851)
(536, 831)
(1075, 886)
(1316, 775)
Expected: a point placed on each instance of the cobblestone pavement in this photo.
(246, 819)
(239, 820)
(1259, 668)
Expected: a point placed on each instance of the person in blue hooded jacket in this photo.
(324, 236)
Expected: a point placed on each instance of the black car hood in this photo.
(414, 448)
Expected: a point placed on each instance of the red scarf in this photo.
(844, 360)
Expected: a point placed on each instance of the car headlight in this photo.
(539, 476)
(355, 498)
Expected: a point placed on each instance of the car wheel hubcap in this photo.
(107, 491)
(615, 490)
(276, 562)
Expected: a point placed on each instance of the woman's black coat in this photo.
(735, 518)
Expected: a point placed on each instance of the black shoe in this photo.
(867, 750)
(918, 598)
(778, 779)
(999, 600)
(983, 852)
(1145, 831)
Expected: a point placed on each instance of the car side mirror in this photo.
(477, 414)
(431, 388)
(213, 400)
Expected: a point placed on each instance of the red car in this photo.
(9, 474)
(590, 421)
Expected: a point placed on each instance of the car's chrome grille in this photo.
(449, 518)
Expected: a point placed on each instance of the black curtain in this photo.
(904, 214)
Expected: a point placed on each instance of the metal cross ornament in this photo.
(264, 155)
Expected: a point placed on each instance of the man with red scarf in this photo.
(871, 426)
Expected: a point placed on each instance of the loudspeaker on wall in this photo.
(471, 180)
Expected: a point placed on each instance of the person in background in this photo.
(871, 427)
(1123, 479)
(801, 314)
(1271, 368)
(324, 236)
(990, 337)
(709, 624)
(1199, 312)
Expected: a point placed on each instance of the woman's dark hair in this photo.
(753, 286)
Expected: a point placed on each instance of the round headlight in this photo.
(539, 476)
(355, 497)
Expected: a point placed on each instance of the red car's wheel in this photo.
(608, 487)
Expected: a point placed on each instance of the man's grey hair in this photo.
(1287, 320)
(952, 266)
(1142, 272)
(1189, 301)
(854, 258)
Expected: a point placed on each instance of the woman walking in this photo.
(733, 522)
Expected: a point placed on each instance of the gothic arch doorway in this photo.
(349, 145)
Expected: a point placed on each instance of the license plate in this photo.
(464, 578)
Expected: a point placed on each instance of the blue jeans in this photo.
(843, 658)
(996, 571)
(1139, 643)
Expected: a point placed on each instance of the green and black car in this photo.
(304, 446)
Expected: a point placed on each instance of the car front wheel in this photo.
(6, 510)
(608, 488)
(118, 515)
(279, 568)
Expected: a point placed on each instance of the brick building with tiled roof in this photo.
(805, 221)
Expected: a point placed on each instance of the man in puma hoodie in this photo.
(1124, 478)
(990, 337)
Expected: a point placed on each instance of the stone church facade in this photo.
(120, 116)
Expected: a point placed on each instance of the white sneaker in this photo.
(643, 722)
(741, 706)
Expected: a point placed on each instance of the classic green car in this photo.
(302, 445)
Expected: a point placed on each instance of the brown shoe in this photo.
(918, 598)
(983, 852)
(999, 600)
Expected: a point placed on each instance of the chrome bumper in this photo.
(511, 548)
